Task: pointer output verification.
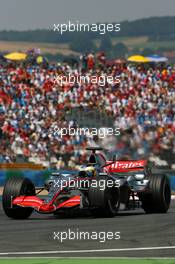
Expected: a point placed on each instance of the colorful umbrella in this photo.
(156, 58)
(16, 56)
(138, 58)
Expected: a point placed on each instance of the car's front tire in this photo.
(103, 202)
(16, 186)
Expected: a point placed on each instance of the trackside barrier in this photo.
(39, 176)
(172, 181)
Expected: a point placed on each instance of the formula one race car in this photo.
(100, 186)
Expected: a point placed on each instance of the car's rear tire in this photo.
(16, 186)
(103, 203)
(158, 201)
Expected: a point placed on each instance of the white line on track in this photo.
(94, 258)
(85, 251)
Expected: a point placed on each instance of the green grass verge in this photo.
(86, 261)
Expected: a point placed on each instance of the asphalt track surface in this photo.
(138, 230)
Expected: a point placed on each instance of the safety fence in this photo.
(38, 176)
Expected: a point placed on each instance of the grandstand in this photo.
(31, 104)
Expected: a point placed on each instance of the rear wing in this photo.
(125, 165)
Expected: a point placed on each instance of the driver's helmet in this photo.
(87, 171)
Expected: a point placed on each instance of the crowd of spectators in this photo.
(32, 103)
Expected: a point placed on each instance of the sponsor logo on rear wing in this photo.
(125, 165)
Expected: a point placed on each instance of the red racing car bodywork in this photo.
(133, 177)
(39, 205)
